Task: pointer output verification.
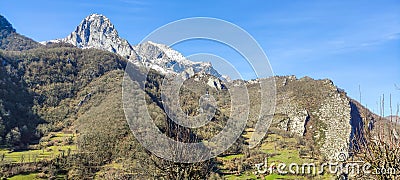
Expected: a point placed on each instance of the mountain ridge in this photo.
(11, 40)
(97, 31)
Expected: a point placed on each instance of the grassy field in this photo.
(56, 148)
(278, 149)
(230, 157)
(32, 176)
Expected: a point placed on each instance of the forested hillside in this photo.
(62, 116)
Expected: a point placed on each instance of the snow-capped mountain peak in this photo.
(172, 54)
(171, 60)
(97, 31)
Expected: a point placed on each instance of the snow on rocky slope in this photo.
(97, 31)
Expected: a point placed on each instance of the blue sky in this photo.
(354, 43)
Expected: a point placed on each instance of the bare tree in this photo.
(176, 170)
(380, 147)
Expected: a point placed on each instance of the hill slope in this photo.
(11, 40)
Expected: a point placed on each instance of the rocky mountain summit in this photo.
(97, 31)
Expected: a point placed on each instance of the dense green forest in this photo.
(39, 85)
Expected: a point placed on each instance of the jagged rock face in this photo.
(335, 130)
(96, 31)
(211, 81)
(315, 107)
(292, 117)
(167, 60)
(295, 120)
(215, 83)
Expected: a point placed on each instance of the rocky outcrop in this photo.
(167, 60)
(295, 121)
(334, 130)
(97, 31)
(210, 80)
(215, 83)
(316, 110)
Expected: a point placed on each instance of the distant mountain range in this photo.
(97, 31)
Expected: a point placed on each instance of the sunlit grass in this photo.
(243, 176)
(280, 149)
(24, 177)
(230, 157)
(35, 155)
(61, 136)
